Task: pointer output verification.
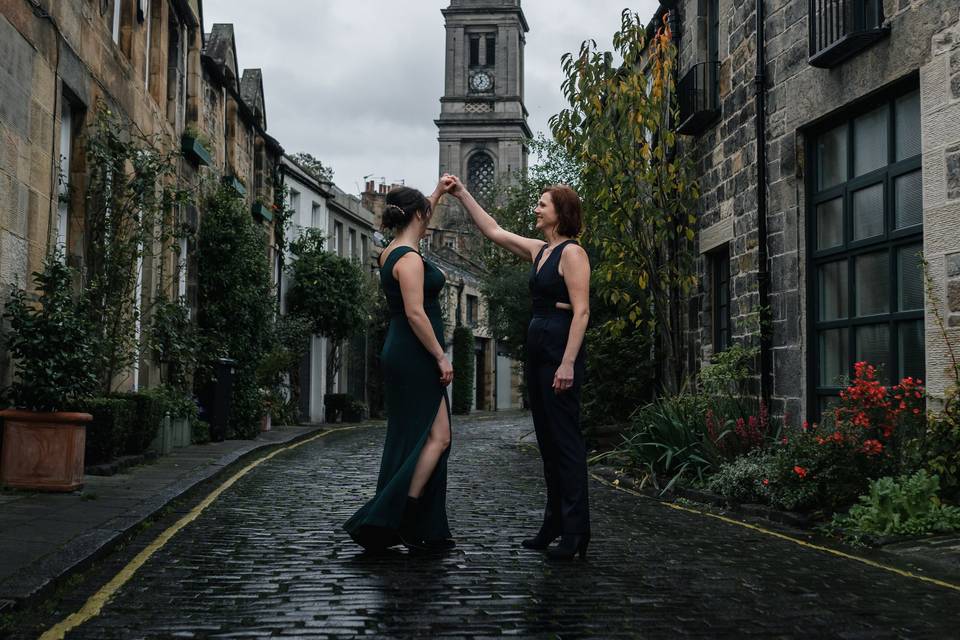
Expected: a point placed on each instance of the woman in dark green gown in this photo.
(410, 503)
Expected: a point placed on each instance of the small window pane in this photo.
(908, 125)
(872, 277)
(474, 51)
(911, 348)
(830, 224)
(868, 212)
(833, 357)
(870, 141)
(833, 291)
(873, 346)
(908, 190)
(491, 51)
(910, 278)
(832, 157)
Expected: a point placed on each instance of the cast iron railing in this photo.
(841, 28)
(698, 94)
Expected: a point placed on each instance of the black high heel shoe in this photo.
(540, 541)
(407, 530)
(570, 545)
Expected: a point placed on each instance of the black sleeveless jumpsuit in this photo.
(556, 416)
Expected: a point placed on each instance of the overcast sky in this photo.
(357, 83)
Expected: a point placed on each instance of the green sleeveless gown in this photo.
(414, 397)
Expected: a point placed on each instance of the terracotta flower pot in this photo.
(43, 451)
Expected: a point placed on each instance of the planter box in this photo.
(180, 432)
(43, 451)
(194, 150)
(163, 442)
(235, 184)
(262, 212)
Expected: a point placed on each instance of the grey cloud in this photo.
(358, 82)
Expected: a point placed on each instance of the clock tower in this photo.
(483, 122)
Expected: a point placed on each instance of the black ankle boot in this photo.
(408, 526)
(440, 544)
(540, 541)
(570, 545)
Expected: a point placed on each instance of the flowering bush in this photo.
(887, 415)
(738, 435)
(829, 465)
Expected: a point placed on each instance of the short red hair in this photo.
(566, 202)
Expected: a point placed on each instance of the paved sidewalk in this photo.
(44, 536)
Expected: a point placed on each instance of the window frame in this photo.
(890, 241)
(720, 266)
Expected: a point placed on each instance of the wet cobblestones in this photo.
(268, 558)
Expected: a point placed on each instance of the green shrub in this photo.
(335, 404)
(149, 412)
(354, 410)
(611, 394)
(49, 343)
(742, 479)
(825, 467)
(199, 431)
(463, 360)
(236, 303)
(669, 439)
(108, 433)
(941, 449)
(906, 505)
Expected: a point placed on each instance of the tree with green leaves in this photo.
(638, 188)
(329, 290)
(236, 301)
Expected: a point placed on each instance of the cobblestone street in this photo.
(269, 558)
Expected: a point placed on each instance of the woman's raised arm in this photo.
(526, 248)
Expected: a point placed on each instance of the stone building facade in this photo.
(151, 64)
(859, 170)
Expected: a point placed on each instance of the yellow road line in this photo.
(94, 605)
(775, 534)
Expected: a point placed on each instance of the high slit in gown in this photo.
(414, 397)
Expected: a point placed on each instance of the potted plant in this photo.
(43, 445)
(236, 183)
(262, 211)
(196, 146)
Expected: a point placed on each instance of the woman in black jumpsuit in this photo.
(559, 286)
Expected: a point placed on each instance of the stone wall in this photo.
(798, 96)
(940, 113)
(71, 61)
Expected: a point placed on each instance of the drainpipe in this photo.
(763, 272)
(673, 21)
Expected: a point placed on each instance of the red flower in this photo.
(800, 471)
(872, 447)
(766, 482)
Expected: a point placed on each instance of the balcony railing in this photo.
(698, 94)
(841, 28)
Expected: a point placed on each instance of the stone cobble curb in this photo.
(37, 579)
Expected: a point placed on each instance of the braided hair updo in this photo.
(403, 203)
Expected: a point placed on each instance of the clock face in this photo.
(481, 81)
